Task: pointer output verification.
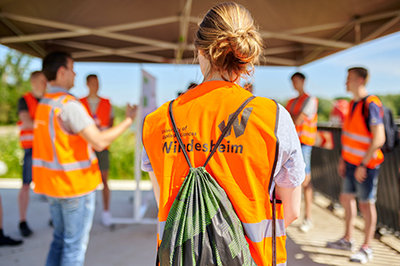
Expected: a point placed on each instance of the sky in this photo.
(121, 82)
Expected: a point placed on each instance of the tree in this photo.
(14, 81)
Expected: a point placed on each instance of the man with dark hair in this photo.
(101, 111)
(299, 75)
(65, 168)
(26, 113)
(359, 165)
(303, 110)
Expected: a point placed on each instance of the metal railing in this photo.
(326, 180)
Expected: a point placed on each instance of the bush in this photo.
(12, 155)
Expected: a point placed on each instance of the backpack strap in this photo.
(274, 200)
(227, 128)
(365, 111)
(178, 136)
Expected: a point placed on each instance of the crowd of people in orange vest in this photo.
(66, 142)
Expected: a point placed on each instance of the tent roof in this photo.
(294, 32)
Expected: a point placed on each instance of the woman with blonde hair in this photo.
(259, 157)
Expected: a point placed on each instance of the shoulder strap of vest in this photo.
(228, 127)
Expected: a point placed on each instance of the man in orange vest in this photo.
(26, 112)
(303, 110)
(65, 168)
(101, 110)
(359, 165)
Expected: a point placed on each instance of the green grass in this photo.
(121, 161)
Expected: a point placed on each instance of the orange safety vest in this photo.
(243, 164)
(307, 130)
(103, 111)
(356, 138)
(26, 135)
(64, 165)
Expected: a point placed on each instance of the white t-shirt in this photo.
(311, 107)
(73, 116)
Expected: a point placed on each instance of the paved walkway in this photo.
(135, 244)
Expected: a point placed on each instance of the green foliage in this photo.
(324, 109)
(12, 155)
(122, 151)
(119, 114)
(14, 82)
(392, 101)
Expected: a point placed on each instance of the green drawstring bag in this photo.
(202, 227)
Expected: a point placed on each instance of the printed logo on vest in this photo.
(238, 128)
(173, 147)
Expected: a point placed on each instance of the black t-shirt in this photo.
(22, 105)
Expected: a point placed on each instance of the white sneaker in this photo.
(362, 256)
(106, 218)
(306, 225)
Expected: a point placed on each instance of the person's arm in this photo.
(156, 187)
(100, 140)
(341, 168)
(289, 172)
(24, 115)
(25, 118)
(291, 200)
(299, 119)
(377, 129)
(146, 166)
(309, 110)
(378, 139)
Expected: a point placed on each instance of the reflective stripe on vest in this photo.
(26, 135)
(356, 138)
(55, 165)
(63, 164)
(252, 160)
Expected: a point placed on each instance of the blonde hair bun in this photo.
(229, 39)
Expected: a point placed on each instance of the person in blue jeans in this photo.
(73, 174)
(72, 220)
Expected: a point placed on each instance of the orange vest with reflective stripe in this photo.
(26, 135)
(242, 164)
(103, 111)
(64, 165)
(307, 130)
(356, 138)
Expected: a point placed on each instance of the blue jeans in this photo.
(365, 191)
(72, 219)
(306, 150)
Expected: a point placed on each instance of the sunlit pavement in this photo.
(134, 244)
